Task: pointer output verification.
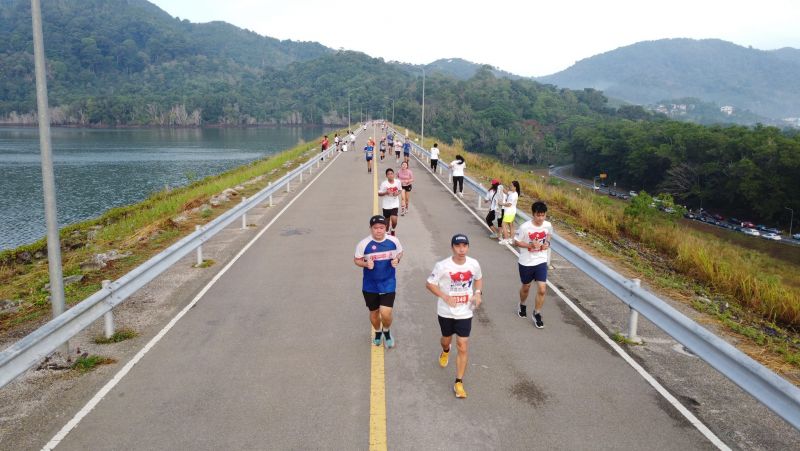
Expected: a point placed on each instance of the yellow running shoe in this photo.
(444, 357)
(458, 388)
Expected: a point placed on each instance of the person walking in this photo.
(510, 212)
(406, 177)
(379, 254)
(457, 167)
(456, 282)
(389, 192)
(495, 197)
(533, 240)
(434, 156)
(352, 140)
(369, 153)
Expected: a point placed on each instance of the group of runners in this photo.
(457, 280)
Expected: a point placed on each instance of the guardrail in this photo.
(773, 391)
(25, 353)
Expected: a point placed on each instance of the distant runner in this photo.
(406, 177)
(397, 148)
(452, 282)
(369, 151)
(533, 240)
(324, 144)
(406, 150)
(389, 192)
(379, 255)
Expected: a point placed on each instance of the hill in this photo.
(764, 82)
(463, 69)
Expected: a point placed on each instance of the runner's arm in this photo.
(477, 294)
(433, 288)
(364, 262)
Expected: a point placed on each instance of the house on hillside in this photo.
(727, 109)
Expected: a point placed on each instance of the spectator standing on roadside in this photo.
(434, 156)
(457, 167)
(495, 197)
(510, 213)
(324, 144)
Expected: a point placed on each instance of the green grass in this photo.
(622, 339)
(120, 335)
(84, 364)
(206, 263)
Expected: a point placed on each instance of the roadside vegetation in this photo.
(753, 295)
(126, 236)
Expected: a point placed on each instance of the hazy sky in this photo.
(530, 38)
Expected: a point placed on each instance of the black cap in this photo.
(377, 219)
(459, 238)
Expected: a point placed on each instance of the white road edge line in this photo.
(122, 372)
(617, 348)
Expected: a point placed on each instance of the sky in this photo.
(528, 38)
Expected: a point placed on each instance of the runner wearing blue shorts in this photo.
(369, 152)
(533, 240)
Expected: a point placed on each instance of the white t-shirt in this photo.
(458, 168)
(496, 199)
(336, 140)
(455, 280)
(434, 153)
(528, 232)
(352, 138)
(511, 198)
(344, 147)
(388, 202)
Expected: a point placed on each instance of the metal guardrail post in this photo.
(244, 215)
(288, 186)
(633, 318)
(301, 176)
(270, 196)
(480, 198)
(199, 248)
(108, 317)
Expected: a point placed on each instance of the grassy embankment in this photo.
(751, 294)
(142, 229)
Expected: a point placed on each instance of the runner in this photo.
(406, 150)
(324, 144)
(382, 147)
(495, 197)
(390, 140)
(369, 151)
(389, 191)
(397, 148)
(406, 177)
(434, 156)
(379, 255)
(510, 207)
(458, 165)
(452, 282)
(533, 240)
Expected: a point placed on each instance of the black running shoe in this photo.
(537, 321)
(521, 311)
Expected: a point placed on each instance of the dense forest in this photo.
(126, 62)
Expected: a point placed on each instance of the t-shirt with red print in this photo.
(528, 232)
(457, 281)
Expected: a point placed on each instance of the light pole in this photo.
(48, 178)
(348, 111)
(392, 111)
(791, 219)
(422, 141)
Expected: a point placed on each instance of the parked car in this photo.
(771, 236)
(718, 217)
(796, 236)
(632, 193)
(748, 224)
(624, 196)
(751, 232)
(734, 221)
(773, 230)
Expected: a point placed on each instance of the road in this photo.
(276, 353)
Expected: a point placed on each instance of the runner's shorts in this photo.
(528, 274)
(460, 327)
(375, 300)
(407, 188)
(389, 212)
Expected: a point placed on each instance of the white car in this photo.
(771, 236)
(751, 232)
(796, 236)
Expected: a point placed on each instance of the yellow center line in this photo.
(377, 398)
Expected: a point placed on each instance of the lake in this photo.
(98, 169)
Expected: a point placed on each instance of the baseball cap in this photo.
(459, 238)
(495, 182)
(377, 219)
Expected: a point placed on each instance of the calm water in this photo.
(100, 169)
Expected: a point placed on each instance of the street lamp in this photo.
(791, 219)
(422, 143)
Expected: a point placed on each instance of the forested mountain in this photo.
(764, 82)
(126, 62)
(463, 69)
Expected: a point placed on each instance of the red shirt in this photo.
(324, 143)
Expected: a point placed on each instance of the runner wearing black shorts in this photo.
(378, 255)
(456, 282)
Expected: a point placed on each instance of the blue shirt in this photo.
(369, 151)
(406, 147)
(381, 278)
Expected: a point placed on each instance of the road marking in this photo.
(377, 391)
(124, 371)
(625, 356)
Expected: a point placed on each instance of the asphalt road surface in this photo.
(276, 354)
